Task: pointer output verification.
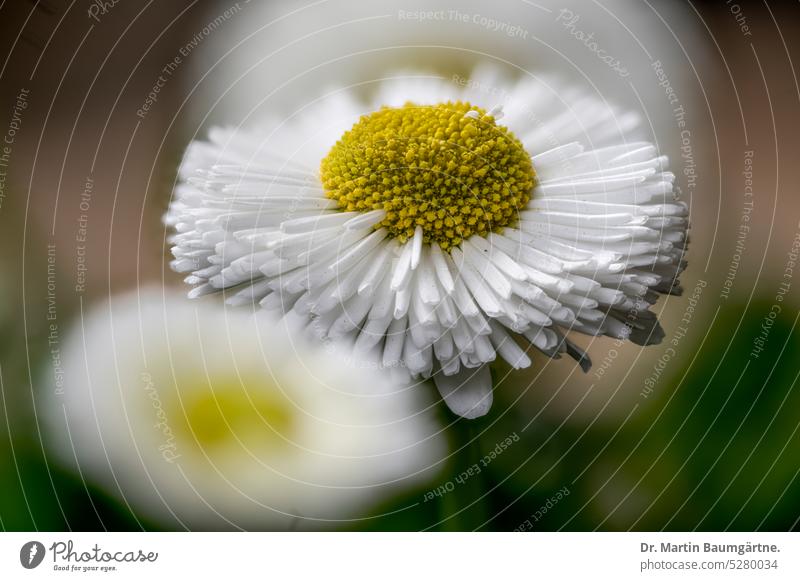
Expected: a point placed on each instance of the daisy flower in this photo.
(197, 418)
(439, 225)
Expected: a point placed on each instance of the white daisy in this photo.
(440, 225)
(198, 418)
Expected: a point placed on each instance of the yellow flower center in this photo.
(230, 415)
(448, 168)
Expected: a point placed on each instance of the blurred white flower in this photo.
(282, 54)
(204, 418)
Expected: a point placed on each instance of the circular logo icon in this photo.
(31, 554)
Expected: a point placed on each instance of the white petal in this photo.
(467, 393)
(366, 220)
(442, 271)
(402, 268)
(416, 247)
(395, 338)
(318, 222)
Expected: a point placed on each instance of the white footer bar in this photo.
(406, 556)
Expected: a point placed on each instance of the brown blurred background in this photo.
(89, 70)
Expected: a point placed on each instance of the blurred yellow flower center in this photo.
(235, 413)
(448, 168)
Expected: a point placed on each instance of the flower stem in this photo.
(467, 505)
